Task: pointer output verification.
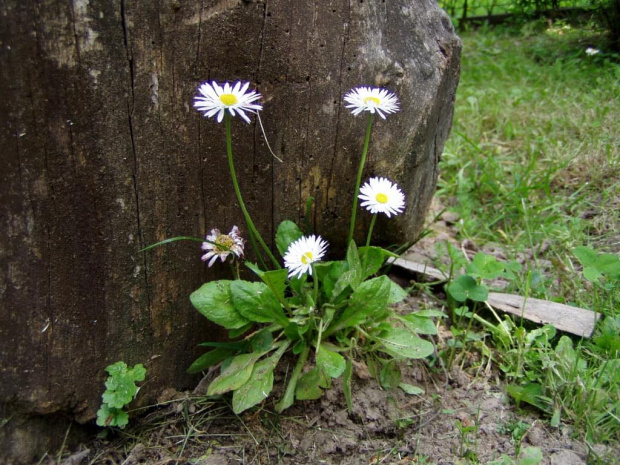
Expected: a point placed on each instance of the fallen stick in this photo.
(574, 320)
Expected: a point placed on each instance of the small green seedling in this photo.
(120, 390)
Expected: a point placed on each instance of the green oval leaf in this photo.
(332, 363)
(214, 301)
(288, 232)
(235, 375)
(256, 302)
(399, 342)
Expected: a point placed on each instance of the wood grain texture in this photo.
(574, 320)
(103, 154)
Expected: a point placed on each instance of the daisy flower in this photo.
(223, 245)
(380, 195)
(214, 99)
(302, 253)
(371, 99)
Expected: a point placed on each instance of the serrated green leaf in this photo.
(262, 341)
(260, 384)
(256, 302)
(309, 385)
(389, 377)
(331, 363)
(411, 389)
(531, 393)
(586, 255)
(347, 279)
(419, 324)
(592, 274)
(238, 332)
(254, 267)
(288, 232)
(276, 281)
(372, 258)
(235, 375)
(399, 342)
(214, 301)
(257, 388)
(355, 264)
(369, 299)
(107, 417)
(397, 293)
(117, 369)
(328, 274)
(209, 359)
(299, 346)
(608, 264)
(120, 385)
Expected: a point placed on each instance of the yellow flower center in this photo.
(226, 241)
(228, 99)
(373, 100)
(307, 258)
(381, 198)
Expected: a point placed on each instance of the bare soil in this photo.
(460, 419)
(464, 416)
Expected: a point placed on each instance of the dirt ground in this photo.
(465, 419)
(463, 416)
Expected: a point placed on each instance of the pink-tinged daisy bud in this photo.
(223, 245)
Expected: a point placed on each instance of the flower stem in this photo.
(253, 231)
(358, 182)
(372, 226)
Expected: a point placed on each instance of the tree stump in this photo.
(103, 155)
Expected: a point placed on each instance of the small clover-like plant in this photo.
(120, 390)
(599, 268)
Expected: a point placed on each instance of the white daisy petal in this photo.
(214, 100)
(380, 195)
(302, 253)
(223, 245)
(371, 99)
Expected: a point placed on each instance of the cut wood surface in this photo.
(574, 320)
(420, 268)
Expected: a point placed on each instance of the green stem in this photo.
(372, 226)
(358, 182)
(248, 220)
(316, 285)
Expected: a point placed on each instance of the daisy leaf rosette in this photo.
(302, 253)
(214, 100)
(373, 100)
(380, 195)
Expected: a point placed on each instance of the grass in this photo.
(533, 164)
(456, 8)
